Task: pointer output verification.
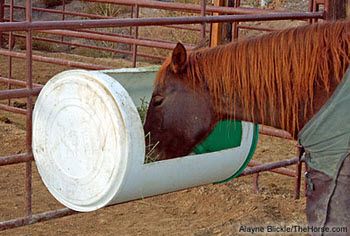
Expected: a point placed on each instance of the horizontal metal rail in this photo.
(36, 218)
(282, 170)
(13, 109)
(99, 37)
(123, 35)
(16, 82)
(62, 62)
(271, 131)
(112, 50)
(65, 211)
(270, 166)
(15, 159)
(186, 7)
(73, 24)
(54, 11)
(19, 93)
(259, 28)
(92, 16)
(119, 38)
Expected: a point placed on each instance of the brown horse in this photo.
(280, 79)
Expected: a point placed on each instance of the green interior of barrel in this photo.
(249, 157)
(227, 134)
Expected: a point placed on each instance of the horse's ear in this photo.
(178, 58)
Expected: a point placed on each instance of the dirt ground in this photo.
(207, 210)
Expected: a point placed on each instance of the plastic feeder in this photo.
(88, 142)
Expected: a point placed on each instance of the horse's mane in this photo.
(276, 71)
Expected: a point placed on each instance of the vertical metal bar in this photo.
(63, 10)
(134, 48)
(131, 28)
(2, 11)
(28, 182)
(228, 25)
(335, 9)
(210, 33)
(10, 47)
(235, 28)
(316, 8)
(298, 173)
(203, 13)
(311, 4)
(256, 182)
(305, 180)
(63, 15)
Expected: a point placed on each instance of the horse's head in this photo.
(178, 115)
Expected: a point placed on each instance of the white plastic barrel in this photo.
(88, 144)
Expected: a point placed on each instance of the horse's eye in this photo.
(157, 100)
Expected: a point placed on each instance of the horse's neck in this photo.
(285, 95)
(304, 115)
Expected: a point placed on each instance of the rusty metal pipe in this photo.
(13, 109)
(99, 37)
(29, 77)
(19, 93)
(36, 218)
(54, 11)
(256, 182)
(167, 44)
(103, 48)
(248, 27)
(16, 82)
(136, 11)
(203, 13)
(300, 153)
(2, 14)
(282, 170)
(186, 7)
(72, 24)
(62, 62)
(270, 166)
(271, 131)
(91, 47)
(15, 159)
(183, 27)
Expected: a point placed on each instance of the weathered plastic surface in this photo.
(88, 144)
(137, 81)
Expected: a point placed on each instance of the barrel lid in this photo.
(85, 127)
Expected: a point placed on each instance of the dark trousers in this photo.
(328, 204)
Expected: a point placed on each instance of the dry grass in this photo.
(107, 9)
(151, 155)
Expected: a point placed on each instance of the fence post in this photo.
(203, 13)
(2, 11)
(216, 28)
(336, 9)
(135, 13)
